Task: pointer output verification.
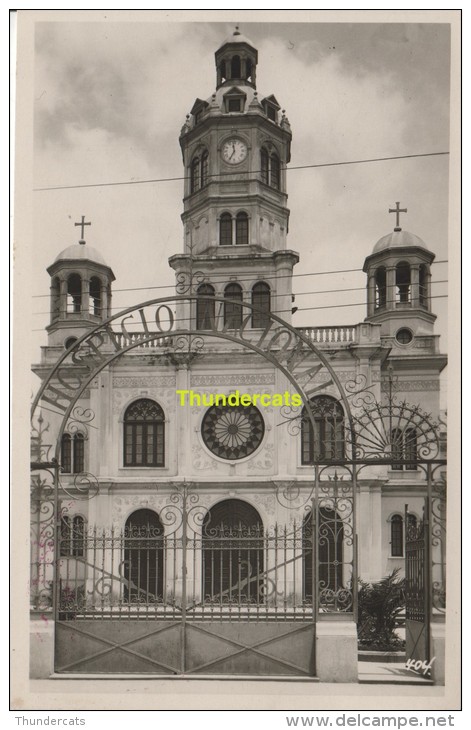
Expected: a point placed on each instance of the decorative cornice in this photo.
(144, 381)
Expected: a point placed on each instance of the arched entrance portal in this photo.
(143, 557)
(232, 555)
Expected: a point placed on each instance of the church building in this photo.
(220, 479)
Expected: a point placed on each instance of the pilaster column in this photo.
(371, 295)
(63, 298)
(85, 304)
(391, 287)
(414, 285)
(104, 301)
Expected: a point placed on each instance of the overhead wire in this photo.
(248, 172)
(295, 294)
(300, 309)
(223, 278)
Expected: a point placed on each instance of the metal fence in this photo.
(225, 572)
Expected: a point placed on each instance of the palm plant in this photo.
(379, 605)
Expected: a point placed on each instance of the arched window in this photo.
(242, 229)
(205, 308)
(397, 536)
(423, 293)
(73, 453)
(327, 441)
(144, 424)
(232, 540)
(222, 71)
(235, 67)
(233, 311)
(261, 300)
(72, 537)
(264, 166)
(403, 283)
(329, 555)
(225, 230)
(195, 175)
(95, 296)
(404, 448)
(143, 558)
(275, 171)
(74, 293)
(248, 69)
(204, 168)
(380, 287)
(55, 298)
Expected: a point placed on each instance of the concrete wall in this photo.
(336, 651)
(41, 645)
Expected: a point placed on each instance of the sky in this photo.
(110, 99)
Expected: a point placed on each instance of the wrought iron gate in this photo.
(187, 596)
(417, 588)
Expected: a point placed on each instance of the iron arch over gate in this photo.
(273, 559)
(181, 609)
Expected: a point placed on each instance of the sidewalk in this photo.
(229, 694)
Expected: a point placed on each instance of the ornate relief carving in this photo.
(410, 385)
(266, 501)
(123, 506)
(243, 379)
(144, 381)
(201, 460)
(264, 460)
(165, 398)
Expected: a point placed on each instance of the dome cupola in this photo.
(80, 291)
(236, 61)
(399, 280)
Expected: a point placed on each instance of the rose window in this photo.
(233, 432)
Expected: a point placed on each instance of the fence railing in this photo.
(329, 335)
(341, 334)
(229, 574)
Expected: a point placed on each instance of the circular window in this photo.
(69, 342)
(404, 336)
(232, 432)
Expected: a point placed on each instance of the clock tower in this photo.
(235, 147)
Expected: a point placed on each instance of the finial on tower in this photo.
(236, 32)
(82, 225)
(397, 210)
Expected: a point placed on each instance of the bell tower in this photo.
(80, 291)
(235, 147)
(399, 282)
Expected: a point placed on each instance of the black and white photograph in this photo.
(234, 233)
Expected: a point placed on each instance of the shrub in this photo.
(379, 605)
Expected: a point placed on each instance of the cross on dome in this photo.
(82, 225)
(397, 210)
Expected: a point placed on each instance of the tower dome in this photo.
(398, 239)
(81, 252)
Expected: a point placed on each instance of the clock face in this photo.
(234, 151)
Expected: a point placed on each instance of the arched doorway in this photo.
(143, 557)
(232, 555)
